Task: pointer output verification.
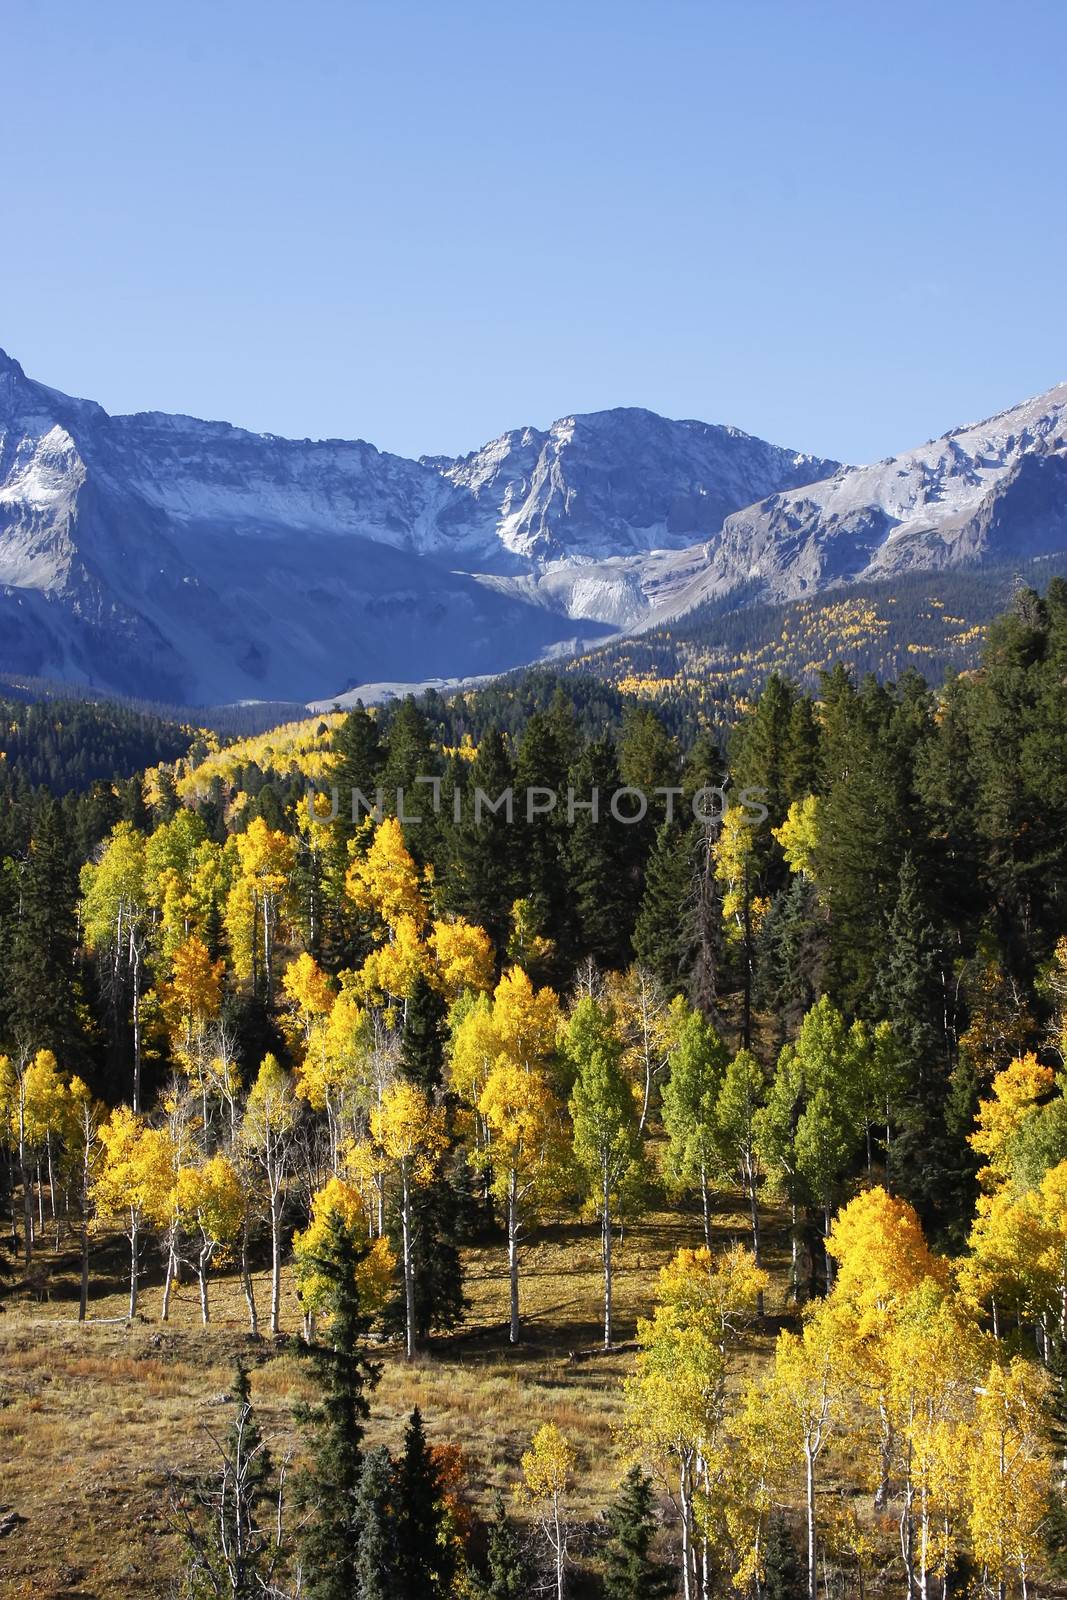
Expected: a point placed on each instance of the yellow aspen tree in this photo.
(547, 1475)
(524, 1153)
(82, 1152)
(266, 1134)
(210, 1203)
(802, 1399)
(334, 1074)
(308, 996)
(643, 1017)
(1016, 1092)
(135, 1181)
(374, 1273)
(411, 1133)
(799, 836)
(1009, 1474)
(470, 1054)
(743, 910)
(116, 916)
(462, 958)
(384, 880)
(266, 858)
(882, 1257)
(390, 970)
(932, 1358)
(673, 1421)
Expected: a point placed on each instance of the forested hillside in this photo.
(716, 656)
(677, 1098)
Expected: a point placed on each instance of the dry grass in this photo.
(94, 1417)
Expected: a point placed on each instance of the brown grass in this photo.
(94, 1417)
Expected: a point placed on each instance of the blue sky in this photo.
(840, 226)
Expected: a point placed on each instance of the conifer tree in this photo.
(422, 1049)
(426, 1559)
(508, 1575)
(783, 1575)
(377, 1563)
(630, 1570)
(604, 884)
(334, 1427)
(664, 934)
(911, 992)
(481, 880)
(540, 819)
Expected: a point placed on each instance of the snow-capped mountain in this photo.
(616, 482)
(197, 561)
(987, 493)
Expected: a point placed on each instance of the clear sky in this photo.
(841, 226)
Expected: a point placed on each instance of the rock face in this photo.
(194, 561)
(191, 560)
(615, 483)
(985, 493)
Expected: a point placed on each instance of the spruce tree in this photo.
(411, 756)
(630, 1570)
(422, 1048)
(923, 1165)
(426, 1564)
(783, 1576)
(438, 1221)
(41, 990)
(664, 933)
(604, 886)
(508, 1572)
(540, 774)
(377, 1557)
(482, 881)
(334, 1426)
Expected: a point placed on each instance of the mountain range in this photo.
(197, 562)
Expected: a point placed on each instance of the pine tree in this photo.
(411, 756)
(41, 990)
(329, 1492)
(422, 1038)
(481, 881)
(664, 933)
(783, 1575)
(604, 885)
(630, 1570)
(791, 955)
(933, 1172)
(377, 1558)
(438, 1223)
(540, 774)
(508, 1575)
(426, 1564)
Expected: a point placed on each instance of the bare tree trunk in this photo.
(135, 969)
(275, 1261)
(134, 1241)
(409, 1265)
(83, 1296)
(809, 1483)
(513, 1260)
(247, 1285)
(605, 1244)
(168, 1282)
(201, 1272)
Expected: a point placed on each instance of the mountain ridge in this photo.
(196, 561)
